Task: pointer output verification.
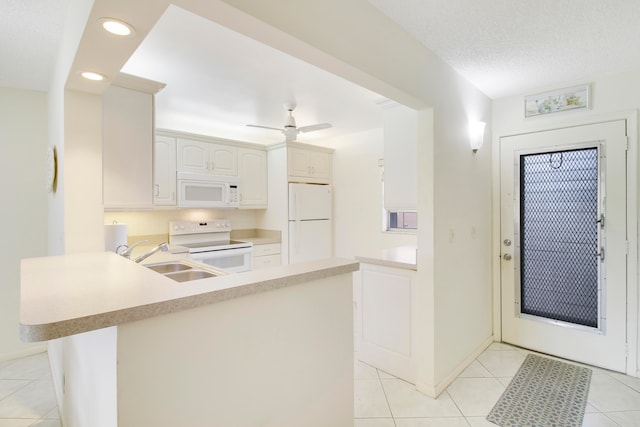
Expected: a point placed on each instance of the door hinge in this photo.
(626, 349)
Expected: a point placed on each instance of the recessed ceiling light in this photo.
(90, 75)
(116, 26)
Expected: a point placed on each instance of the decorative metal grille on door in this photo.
(559, 235)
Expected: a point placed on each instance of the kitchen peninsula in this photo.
(267, 347)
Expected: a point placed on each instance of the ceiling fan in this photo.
(290, 130)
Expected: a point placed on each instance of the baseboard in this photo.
(28, 351)
(435, 390)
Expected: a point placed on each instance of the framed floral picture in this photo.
(570, 98)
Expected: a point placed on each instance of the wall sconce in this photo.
(476, 135)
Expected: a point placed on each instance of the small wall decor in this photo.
(570, 98)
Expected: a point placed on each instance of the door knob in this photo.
(506, 257)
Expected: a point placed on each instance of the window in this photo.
(396, 220)
(402, 220)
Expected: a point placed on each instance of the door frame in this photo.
(633, 280)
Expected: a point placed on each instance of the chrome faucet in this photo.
(125, 250)
(161, 247)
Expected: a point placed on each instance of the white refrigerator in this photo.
(310, 230)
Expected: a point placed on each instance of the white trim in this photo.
(435, 390)
(633, 241)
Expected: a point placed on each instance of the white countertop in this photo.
(399, 257)
(71, 294)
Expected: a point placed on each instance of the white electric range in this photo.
(209, 242)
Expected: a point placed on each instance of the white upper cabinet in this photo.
(204, 157)
(252, 168)
(309, 164)
(164, 171)
(400, 158)
(127, 149)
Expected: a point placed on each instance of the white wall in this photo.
(83, 173)
(145, 223)
(358, 196)
(23, 138)
(612, 95)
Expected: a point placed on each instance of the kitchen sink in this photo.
(169, 267)
(185, 276)
(184, 270)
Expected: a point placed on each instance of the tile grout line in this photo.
(393, 418)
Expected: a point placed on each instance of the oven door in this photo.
(231, 260)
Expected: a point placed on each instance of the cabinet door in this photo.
(164, 172)
(253, 178)
(320, 164)
(127, 149)
(310, 166)
(298, 160)
(385, 319)
(224, 160)
(193, 156)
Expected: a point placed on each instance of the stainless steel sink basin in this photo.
(185, 276)
(184, 270)
(169, 267)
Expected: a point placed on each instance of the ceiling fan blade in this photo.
(264, 127)
(311, 128)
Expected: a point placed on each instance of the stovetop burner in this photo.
(203, 236)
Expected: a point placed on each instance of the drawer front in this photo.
(266, 261)
(268, 249)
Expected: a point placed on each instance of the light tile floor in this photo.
(26, 393)
(381, 400)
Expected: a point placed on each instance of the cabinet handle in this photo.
(173, 196)
(157, 189)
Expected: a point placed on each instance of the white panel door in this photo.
(309, 240)
(563, 207)
(385, 321)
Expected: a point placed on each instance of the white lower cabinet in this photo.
(267, 255)
(385, 319)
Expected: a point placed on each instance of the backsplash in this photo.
(157, 222)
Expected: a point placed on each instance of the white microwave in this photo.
(207, 191)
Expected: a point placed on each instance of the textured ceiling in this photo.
(507, 47)
(30, 31)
